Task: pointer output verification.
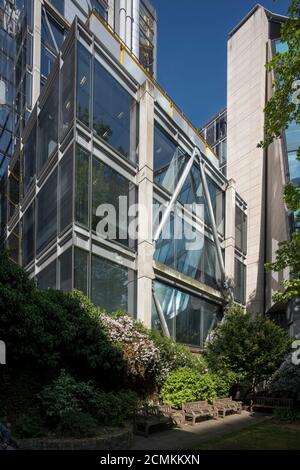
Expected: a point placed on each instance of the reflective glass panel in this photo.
(83, 84)
(47, 212)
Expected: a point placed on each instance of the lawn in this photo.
(264, 436)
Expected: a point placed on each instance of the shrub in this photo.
(223, 382)
(285, 414)
(114, 408)
(185, 385)
(65, 395)
(29, 426)
(286, 381)
(250, 347)
(77, 424)
(174, 356)
(138, 350)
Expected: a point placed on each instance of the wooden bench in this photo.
(269, 403)
(198, 409)
(227, 405)
(148, 416)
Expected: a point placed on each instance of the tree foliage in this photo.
(280, 111)
(250, 347)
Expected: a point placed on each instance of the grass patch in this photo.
(264, 436)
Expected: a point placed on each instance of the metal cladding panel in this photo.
(106, 38)
(161, 100)
(133, 69)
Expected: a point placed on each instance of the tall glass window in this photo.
(66, 190)
(28, 235)
(239, 281)
(83, 84)
(240, 230)
(82, 166)
(193, 256)
(112, 285)
(115, 113)
(46, 279)
(108, 185)
(81, 270)
(30, 158)
(169, 160)
(294, 168)
(48, 126)
(47, 212)
(65, 270)
(189, 318)
(67, 93)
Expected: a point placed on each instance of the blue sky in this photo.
(192, 37)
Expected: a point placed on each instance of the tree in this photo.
(281, 110)
(252, 348)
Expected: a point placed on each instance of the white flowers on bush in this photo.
(139, 352)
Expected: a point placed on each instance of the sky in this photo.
(192, 50)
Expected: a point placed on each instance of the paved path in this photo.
(189, 437)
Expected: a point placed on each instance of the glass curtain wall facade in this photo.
(80, 151)
(215, 134)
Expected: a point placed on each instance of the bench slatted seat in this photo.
(198, 409)
(269, 403)
(148, 416)
(227, 405)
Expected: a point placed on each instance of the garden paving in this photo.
(189, 437)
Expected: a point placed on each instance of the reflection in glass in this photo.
(112, 285)
(65, 266)
(67, 93)
(239, 281)
(81, 270)
(30, 158)
(46, 279)
(115, 113)
(83, 84)
(66, 190)
(48, 126)
(189, 318)
(82, 165)
(28, 234)
(47, 212)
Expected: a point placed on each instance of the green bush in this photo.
(186, 385)
(114, 408)
(285, 414)
(29, 426)
(224, 381)
(174, 356)
(77, 424)
(65, 395)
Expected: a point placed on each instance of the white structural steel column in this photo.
(136, 28)
(212, 218)
(145, 273)
(229, 242)
(36, 50)
(122, 18)
(166, 213)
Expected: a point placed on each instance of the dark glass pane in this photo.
(47, 212)
(81, 270)
(83, 84)
(65, 266)
(115, 113)
(28, 235)
(66, 189)
(59, 5)
(46, 279)
(108, 185)
(240, 230)
(169, 160)
(48, 126)
(47, 60)
(293, 137)
(82, 186)
(113, 286)
(98, 6)
(67, 93)
(239, 281)
(30, 158)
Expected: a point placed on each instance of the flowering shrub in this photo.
(139, 352)
(286, 381)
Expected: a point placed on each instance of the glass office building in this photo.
(103, 131)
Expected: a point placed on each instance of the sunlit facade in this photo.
(103, 128)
